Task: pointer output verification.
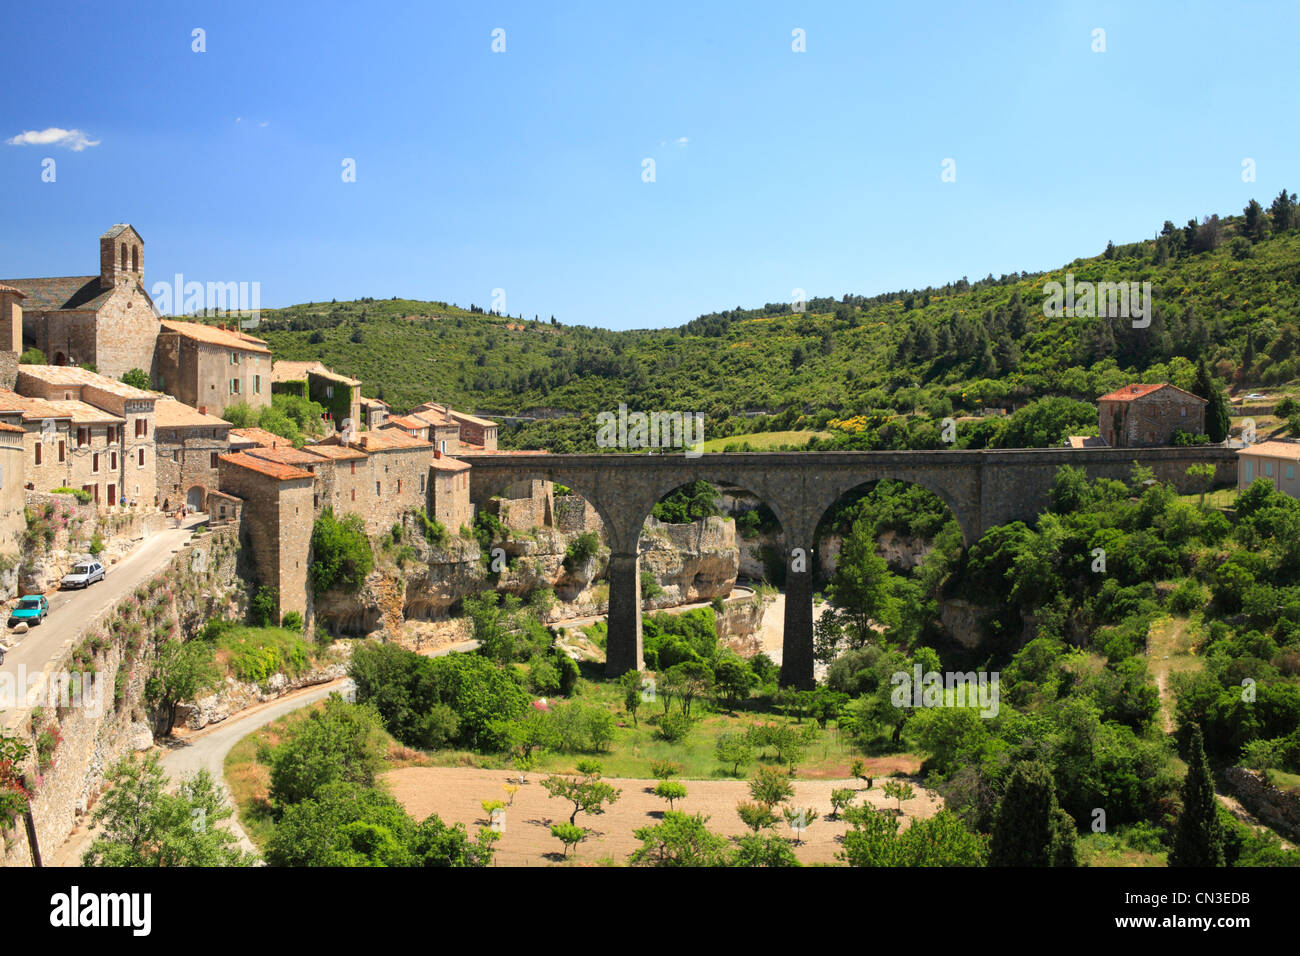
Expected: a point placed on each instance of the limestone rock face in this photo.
(235, 696)
(692, 562)
(963, 620)
(141, 736)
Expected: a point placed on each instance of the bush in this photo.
(581, 549)
(81, 496)
(1189, 596)
(137, 378)
(674, 726)
(341, 553)
(343, 743)
(292, 621)
(264, 608)
(32, 357)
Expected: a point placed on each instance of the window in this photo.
(257, 385)
(94, 462)
(176, 455)
(141, 428)
(112, 461)
(234, 358)
(442, 446)
(1268, 469)
(1250, 471)
(234, 386)
(354, 467)
(329, 391)
(1290, 472)
(124, 257)
(422, 483)
(212, 460)
(135, 258)
(399, 486)
(378, 492)
(354, 494)
(141, 464)
(1184, 411)
(63, 451)
(38, 453)
(83, 437)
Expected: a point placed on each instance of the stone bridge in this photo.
(983, 488)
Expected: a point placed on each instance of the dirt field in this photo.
(456, 795)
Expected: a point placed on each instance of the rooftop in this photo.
(60, 293)
(1139, 390)
(33, 409)
(230, 338)
(336, 452)
(257, 436)
(298, 371)
(271, 469)
(1273, 449)
(83, 414)
(170, 413)
(442, 462)
(286, 455)
(75, 375)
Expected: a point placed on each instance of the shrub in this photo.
(292, 621)
(674, 726)
(81, 496)
(137, 378)
(341, 553)
(264, 607)
(581, 549)
(32, 357)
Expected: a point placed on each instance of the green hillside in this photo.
(1226, 291)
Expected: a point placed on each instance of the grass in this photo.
(1106, 849)
(253, 654)
(763, 441)
(636, 746)
(1170, 650)
(1283, 780)
(1218, 498)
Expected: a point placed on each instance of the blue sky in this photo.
(522, 170)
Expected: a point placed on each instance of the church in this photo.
(106, 320)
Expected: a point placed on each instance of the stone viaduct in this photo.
(983, 488)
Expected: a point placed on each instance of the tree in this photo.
(568, 834)
(340, 743)
(688, 680)
(680, 840)
(341, 556)
(734, 748)
(631, 682)
(770, 787)
(756, 816)
(181, 672)
(1217, 421)
(1283, 211)
(670, 790)
(841, 799)
(1198, 836)
(733, 679)
(137, 378)
(588, 793)
(1206, 474)
(141, 825)
(861, 586)
(1031, 829)
(1255, 228)
(799, 819)
(755, 849)
(900, 791)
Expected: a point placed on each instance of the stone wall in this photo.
(1280, 809)
(185, 460)
(8, 369)
(109, 720)
(691, 562)
(574, 516)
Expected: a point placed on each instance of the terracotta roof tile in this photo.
(170, 413)
(1273, 449)
(1137, 390)
(212, 335)
(336, 452)
(33, 409)
(75, 375)
(271, 469)
(258, 436)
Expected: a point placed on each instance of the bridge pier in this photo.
(797, 640)
(623, 641)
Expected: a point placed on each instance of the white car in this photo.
(83, 574)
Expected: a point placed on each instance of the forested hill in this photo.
(1223, 290)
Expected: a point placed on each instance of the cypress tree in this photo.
(1198, 837)
(1031, 828)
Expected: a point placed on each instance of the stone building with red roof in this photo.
(1140, 416)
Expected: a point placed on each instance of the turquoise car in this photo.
(31, 610)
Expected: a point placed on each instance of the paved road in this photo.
(72, 611)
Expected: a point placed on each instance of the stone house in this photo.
(397, 476)
(340, 395)
(69, 444)
(449, 493)
(126, 417)
(1278, 462)
(212, 367)
(435, 427)
(1138, 416)
(275, 502)
(13, 472)
(242, 439)
(107, 320)
(189, 444)
(474, 434)
(373, 412)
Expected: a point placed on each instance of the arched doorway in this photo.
(60, 358)
(195, 498)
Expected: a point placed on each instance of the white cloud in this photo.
(73, 139)
(682, 140)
